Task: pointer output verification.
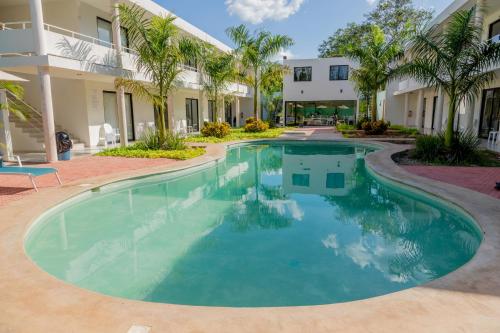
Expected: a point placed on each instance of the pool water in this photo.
(274, 224)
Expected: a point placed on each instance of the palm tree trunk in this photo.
(255, 98)
(163, 108)
(450, 128)
(373, 106)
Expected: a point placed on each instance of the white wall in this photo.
(320, 88)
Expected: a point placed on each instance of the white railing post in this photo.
(5, 135)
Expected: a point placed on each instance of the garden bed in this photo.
(134, 152)
(487, 159)
(239, 134)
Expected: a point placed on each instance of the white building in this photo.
(316, 89)
(410, 104)
(71, 54)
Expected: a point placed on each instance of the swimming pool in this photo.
(274, 224)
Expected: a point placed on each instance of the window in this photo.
(105, 33)
(335, 180)
(339, 73)
(300, 180)
(191, 64)
(494, 30)
(302, 74)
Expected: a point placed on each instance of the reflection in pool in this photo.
(276, 224)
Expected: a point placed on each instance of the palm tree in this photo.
(161, 52)
(14, 106)
(456, 60)
(219, 70)
(272, 89)
(256, 53)
(374, 55)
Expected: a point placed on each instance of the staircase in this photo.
(32, 126)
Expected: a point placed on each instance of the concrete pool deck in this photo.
(467, 300)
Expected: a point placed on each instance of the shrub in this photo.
(361, 122)
(255, 126)
(136, 151)
(428, 148)
(345, 127)
(156, 140)
(464, 149)
(216, 130)
(378, 127)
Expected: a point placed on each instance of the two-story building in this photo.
(71, 52)
(409, 103)
(317, 91)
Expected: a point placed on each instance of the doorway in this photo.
(192, 116)
(111, 112)
(490, 112)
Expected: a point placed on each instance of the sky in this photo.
(308, 22)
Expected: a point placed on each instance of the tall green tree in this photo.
(15, 105)
(256, 52)
(161, 51)
(219, 70)
(374, 55)
(272, 90)
(397, 18)
(455, 60)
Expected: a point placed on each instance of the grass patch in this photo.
(239, 134)
(404, 130)
(136, 152)
(345, 127)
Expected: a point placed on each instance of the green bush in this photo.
(345, 127)
(378, 127)
(156, 140)
(361, 122)
(405, 130)
(255, 126)
(216, 130)
(137, 152)
(464, 149)
(428, 147)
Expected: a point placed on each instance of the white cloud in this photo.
(371, 2)
(257, 11)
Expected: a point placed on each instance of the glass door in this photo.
(111, 112)
(490, 113)
(192, 116)
(212, 117)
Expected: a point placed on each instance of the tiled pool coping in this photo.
(467, 300)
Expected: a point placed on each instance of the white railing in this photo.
(21, 25)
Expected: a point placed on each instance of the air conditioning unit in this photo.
(495, 39)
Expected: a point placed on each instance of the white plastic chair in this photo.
(109, 135)
(492, 138)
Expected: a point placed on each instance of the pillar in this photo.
(171, 113)
(420, 110)
(5, 135)
(479, 14)
(47, 108)
(120, 93)
(237, 110)
(438, 120)
(201, 108)
(357, 111)
(406, 109)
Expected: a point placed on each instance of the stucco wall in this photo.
(320, 88)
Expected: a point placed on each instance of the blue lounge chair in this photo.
(28, 171)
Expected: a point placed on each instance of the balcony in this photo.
(76, 51)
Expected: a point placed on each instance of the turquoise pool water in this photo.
(275, 224)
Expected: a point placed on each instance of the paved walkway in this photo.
(477, 179)
(15, 187)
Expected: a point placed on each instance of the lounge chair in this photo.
(29, 171)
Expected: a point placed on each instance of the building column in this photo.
(420, 110)
(5, 135)
(438, 120)
(357, 112)
(406, 109)
(479, 14)
(47, 108)
(237, 110)
(120, 93)
(171, 112)
(201, 109)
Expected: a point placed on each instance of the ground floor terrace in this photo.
(33, 301)
(407, 104)
(320, 113)
(84, 102)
